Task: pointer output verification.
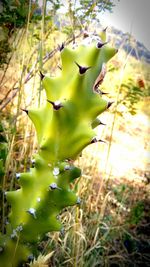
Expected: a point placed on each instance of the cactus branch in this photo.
(64, 126)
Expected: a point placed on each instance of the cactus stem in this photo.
(25, 110)
(56, 105)
(42, 75)
(82, 70)
(109, 104)
(47, 186)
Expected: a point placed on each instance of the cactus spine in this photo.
(64, 126)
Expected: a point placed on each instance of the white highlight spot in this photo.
(57, 103)
(19, 228)
(54, 186)
(56, 171)
(17, 175)
(32, 211)
(67, 168)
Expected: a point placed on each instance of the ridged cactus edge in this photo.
(64, 126)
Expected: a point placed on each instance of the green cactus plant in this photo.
(64, 126)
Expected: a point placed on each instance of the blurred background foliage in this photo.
(13, 15)
(111, 226)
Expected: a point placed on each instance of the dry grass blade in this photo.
(42, 261)
(100, 232)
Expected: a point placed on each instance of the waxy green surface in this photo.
(64, 126)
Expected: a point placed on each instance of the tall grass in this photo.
(101, 230)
